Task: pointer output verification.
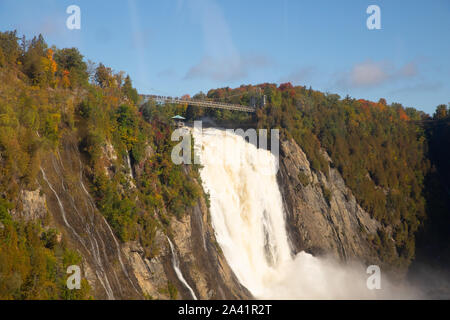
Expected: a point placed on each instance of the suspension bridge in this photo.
(199, 103)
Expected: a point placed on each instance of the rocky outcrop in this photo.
(138, 167)
(149, 273)
(109, 158)
(321, 213)
(32, 206)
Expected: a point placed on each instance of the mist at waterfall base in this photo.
(247, 216)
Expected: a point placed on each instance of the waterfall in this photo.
(129, 166)
(176, 267)
(248, 218)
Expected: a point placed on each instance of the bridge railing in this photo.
(201, 103)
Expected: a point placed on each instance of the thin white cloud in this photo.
(138, 41)
(166, 73)
(221, 60)
(375, 73)
(300, 76)
(180, 5)
(227, 68)
(368, 74)
(408, 70)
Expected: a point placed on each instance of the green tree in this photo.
(441, 112)
(103, 76)
(275, 98)
(32, 60)
(71, 60)
(129, 91)
(9, 46)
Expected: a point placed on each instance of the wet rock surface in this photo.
(118, 270)
(322, 214)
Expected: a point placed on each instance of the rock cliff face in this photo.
(118, 270)
(321, 212)
(32, 206)
(75, 215)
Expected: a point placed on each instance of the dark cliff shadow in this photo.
(430, 268)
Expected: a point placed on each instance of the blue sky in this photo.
(175, 47)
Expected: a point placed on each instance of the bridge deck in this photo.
(201, 103)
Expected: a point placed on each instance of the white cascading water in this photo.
(176, 267)
(129, 166)
(247, 216)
